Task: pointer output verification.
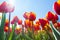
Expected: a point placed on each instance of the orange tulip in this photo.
(27, 23)
(6, 28)
(57, 24)
(50, 15)
(32, 16)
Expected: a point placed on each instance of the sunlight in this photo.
(11, 2)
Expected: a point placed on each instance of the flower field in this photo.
(47, 28)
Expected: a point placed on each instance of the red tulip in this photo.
(19, 22)
(32, 16)
(6, 28)
(50, 15)
(43, 22)
(57, 7)
(59, 24)
(26, 15)
(56, 17)
(36, 27)
(54, 20)
(3, 7)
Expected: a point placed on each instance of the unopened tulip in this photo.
(6, 28)
(37, 22)
(6, 22)
(50, 16)
(57, 7)
(19, 22)
(26, 15)
(43, 22)
(36, 27)
(3, 7)
(15, 19)
(32, 16)
(18, 30)
(27, 23)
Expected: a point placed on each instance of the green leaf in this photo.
(12, 34)
(56, 33)
(2, 26)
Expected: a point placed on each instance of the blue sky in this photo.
(40, 7)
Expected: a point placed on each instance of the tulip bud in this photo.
(32, 16)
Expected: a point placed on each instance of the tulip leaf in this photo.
(12, 34)
(56, 33)
(2, 26)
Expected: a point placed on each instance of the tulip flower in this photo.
(15, 19)
(3, 7)
(50, 15)
(18, 30)
(43, 22)
(10, 8)
(12, 22)
(56, 17)
(32, 16)
(36, 27)
(6, 28)
(26, 15)
(27, 23)
(19, 22)
(57, 7)
(54, 20)
(58, 24)
(37, 22)
(6, 22)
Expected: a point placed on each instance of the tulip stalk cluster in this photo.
(47, 28)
